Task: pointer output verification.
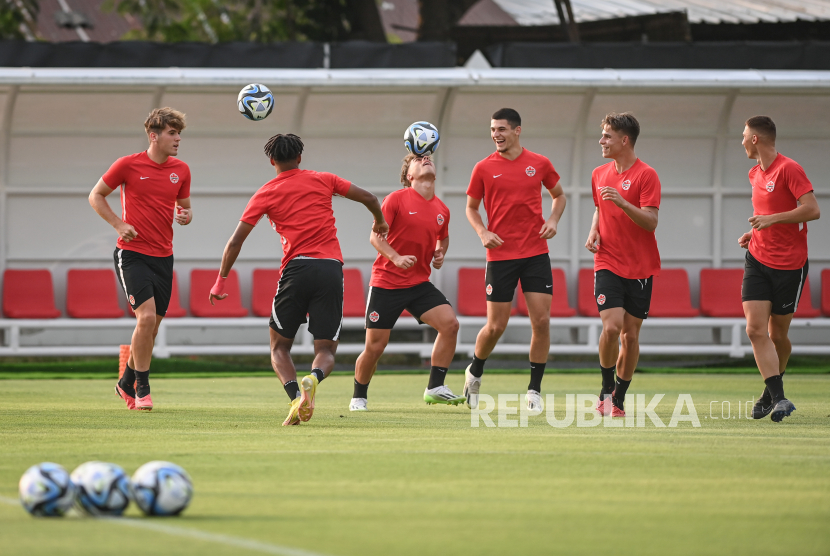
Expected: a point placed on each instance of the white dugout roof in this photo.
(62, 128)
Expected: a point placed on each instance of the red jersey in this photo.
(781, 246)
(511, 192)
(415, 226)
(298, 205)
(625, 248)
(148, 200)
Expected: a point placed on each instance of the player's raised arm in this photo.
(232, 249)
(98, 201)
(368, 200)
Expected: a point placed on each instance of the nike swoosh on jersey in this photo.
(416, 212)
(143, 178)
(497, 176)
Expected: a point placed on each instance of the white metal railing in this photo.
(304, 343)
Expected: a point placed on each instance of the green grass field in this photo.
(406, 478)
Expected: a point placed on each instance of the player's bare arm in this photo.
(441, 247)
(549, 227)
(592, 244)
(645, 217)
(807, 211)
(382, 246)
(232, 249)
(98, 200)
(184, 212)
(368, 200)
(489, 239)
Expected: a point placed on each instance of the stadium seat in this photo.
(201, 281)
(28, 294)
(585, 302)
(720, 292)
(825, 292)
(92, 294)
(670, 295)
(472, 300)
(559, 306)
(354, 298)
(174, 309)
(805, 308)
(263, 289)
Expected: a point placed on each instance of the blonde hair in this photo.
(407, 160)
(160, 118)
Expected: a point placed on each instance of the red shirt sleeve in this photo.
(389, 208)
(594, 187)
(339, 186)
(117, 174)
(476, 187)
(650, 190)
(184, 190)
(797, 181)
(550, 177)
(257, 206)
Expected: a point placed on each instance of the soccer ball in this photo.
(421, 138)
(45, 490)
(255, 101)
(102, 488)
(161, 488)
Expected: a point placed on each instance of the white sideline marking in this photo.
(196, 534)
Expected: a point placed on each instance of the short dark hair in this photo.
(762, 125)
(284, 148)
(624, 123)
(510, 115)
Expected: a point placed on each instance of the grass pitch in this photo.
(406, 478)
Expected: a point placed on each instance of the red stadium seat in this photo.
(174, 309)
(720, 292)
(28, 294)
(585, 302)
(670, 295)
(264, 287)
(825, 292)
(472, 299)
(805, 308)
(92, 294)
(201, 281)
(354, 298)
(559, 306)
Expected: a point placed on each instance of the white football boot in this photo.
(441, 394)
(472, 385)
(358, 404)
(534, 402)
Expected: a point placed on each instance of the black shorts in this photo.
(384, 306)
(782, 287)
(631, 294)
(312, 287)
(503, 276)
(143, 277)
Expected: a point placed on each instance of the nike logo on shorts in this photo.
(787, 305)
(549, 286)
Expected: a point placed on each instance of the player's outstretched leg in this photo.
(609, 353)
(498, 313)
(538, 308)
(323, 364)
(284, 368)
(441, 318)
(141, 351)
(366, 365)
(761, 327)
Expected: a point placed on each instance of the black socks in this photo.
(360, 390)
(292, 389)
(608, 376)
(436, 377)
(142, 383)
(619, 392)
(477, 366)
(775, 386)
(537, 371)
(127, 381)
(319, 374)
(766, 397)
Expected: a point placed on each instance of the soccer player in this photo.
(509, 181)
(776, 260)
(155, 192)
(418, 234)
(627, 196)
(297, 203)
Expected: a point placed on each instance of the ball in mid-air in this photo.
(46, 490)
(421, 138)
(102, 488)
(161, 488)
(255, 101)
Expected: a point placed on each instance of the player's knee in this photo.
(540, 324)
(630, 337)
(496, 328)
(450, 328)
(146, 322)
(611, 329)
(754, 332)
(779, 337)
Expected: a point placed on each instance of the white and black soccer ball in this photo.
(421, 138)
(102, 488)
(46, 490)
(161, 488)
(255, 101)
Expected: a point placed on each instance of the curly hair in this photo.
(284, 148)
(407, 160)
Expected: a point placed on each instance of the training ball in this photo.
(102, 488)
(46, 490)
(421, 138)
(161, 488)
(255, 101)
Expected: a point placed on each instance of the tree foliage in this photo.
(15, 16)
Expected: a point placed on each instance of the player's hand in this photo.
(217, 298)
(491, 240)
(548, 229)
(184, 215)
(404, 261)
(216, 292)
(126, 232)
(380, 228)
(761, 221)
(438, 259)
(743, 241)
(592, 244)
(611, 194)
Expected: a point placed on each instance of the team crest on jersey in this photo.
(374, 316)
(174, 178)
(530, 171)
(626, 185)
(489, 289)
(440, 219)
(601, 299)
(770, 186)
(132, 300)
